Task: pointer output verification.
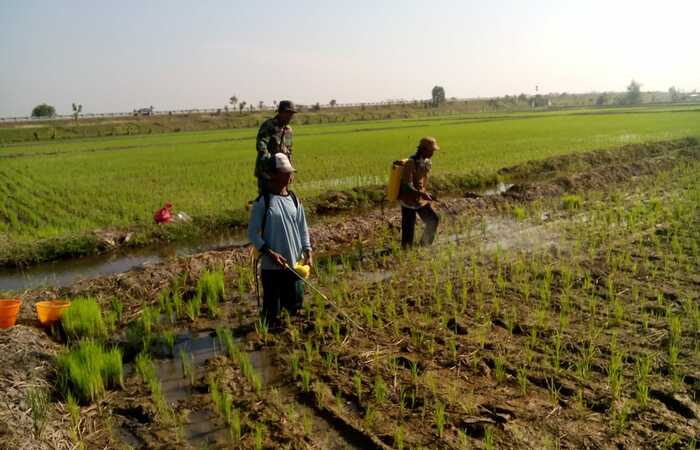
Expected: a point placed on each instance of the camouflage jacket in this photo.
(272, 138)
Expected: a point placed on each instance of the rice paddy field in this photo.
(561, 313)
(66, 188)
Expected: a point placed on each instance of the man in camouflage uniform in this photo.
(274, 136)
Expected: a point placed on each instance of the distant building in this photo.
(540, 101)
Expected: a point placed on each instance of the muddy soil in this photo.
(440, 341)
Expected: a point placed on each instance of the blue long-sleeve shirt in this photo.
(286, 231)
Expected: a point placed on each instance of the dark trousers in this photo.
(281, 289)
(408, 225)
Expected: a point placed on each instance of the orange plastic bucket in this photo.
(50, 311)
(9, 308)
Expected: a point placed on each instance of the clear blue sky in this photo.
(121, 55)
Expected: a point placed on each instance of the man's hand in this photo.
(277, 258)
(308, 258)
(426, 196)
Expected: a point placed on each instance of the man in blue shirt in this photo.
(278, 229)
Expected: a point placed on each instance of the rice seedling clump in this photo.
(86, 371)
(83, 319)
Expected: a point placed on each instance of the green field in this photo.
(62, 188)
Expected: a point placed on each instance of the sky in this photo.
(113, 56)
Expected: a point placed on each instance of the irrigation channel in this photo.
(63, 273)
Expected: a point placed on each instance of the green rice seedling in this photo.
(83, 319)
(74, 412)
(213, 307)
(225, 407)
(215, 395)
(615, 374)
(368, 314)
(414, 373)
(335, 330)
(294, 364)
(330, 360)
(674, 329)
(168, 338)
(338, 401)
(489, 441)
(379, 389)
(370, 416)
(556, 351)
(526, 290)
(110, 320)
(398, 438)
(583, 365)
(210, 289)
(262, 329)
(620, 419)
(643, 368)
(522, 379)
(452, 349)
(306, 379)
(146, 321)
(176, 299)
(193, 307)
(38, 401)
(158, 398)
(306, 423)
(87, 370)
(553, 390)
(118, 307)
(163, 299)
(673, 355)
(357, 381)
(533, 338)
(511, 318)
(258, 437)
(234, 427)
(145, 367)
(499, 368)
(462, 439)
(187, 366)
(226, 342)
(112, 367)
(439, 418)
(519, 213)
(309, 351)
(246, 366)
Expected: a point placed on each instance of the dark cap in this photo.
(286, 105)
